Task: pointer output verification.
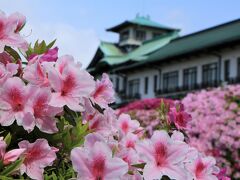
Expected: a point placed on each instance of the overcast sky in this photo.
(79, 25)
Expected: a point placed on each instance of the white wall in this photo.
(179, 66)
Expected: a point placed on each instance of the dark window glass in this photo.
(117, 84)
(146, 85)
(155, 79)
(125, 84)
(140, 35)
(133, 87)
(156, 35)
(238, 67)
(170, 81)
(209, 74)
(226, 70)
(124, 35)
(190, 78)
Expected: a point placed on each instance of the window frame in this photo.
(190, 75)
(146, 81)
(207, 70)
(227, 70)
(167, 78)
(131, 87)
(140, 35)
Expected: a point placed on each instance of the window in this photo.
(156, 35)
(226, 70)
(209, 73)
(190, 78)
(146, 85)
(238, 67)
(125, 84)
(155, 79)
(170, 81)
(133, 87)
(124, 35)
(140, 35)
(117, 84)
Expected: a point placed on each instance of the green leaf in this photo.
(8, 139)
(13, 53)
(12, 167)
(139, 165)
(5, 178)
(35, 45)
(51, 44)
(42, 48)
(69, 116)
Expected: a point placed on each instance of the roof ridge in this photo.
(208, 29)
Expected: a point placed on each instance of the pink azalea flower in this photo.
(179, 118)
(36, 74)
(163, 157)
(222, 175)
(104, 92)
(97, 163)
(203, 169)
(7, 71)
(38, 155)
(70, 84)
(105, 123)
(13, 101)
(18, 20)
(50, 56)
(126, 124)
(10, 156)
(43, 114)
(129, 141)
(9, 31)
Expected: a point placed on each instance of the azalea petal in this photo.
(47, 125)
(35, 172)
(80, 162)
(151, 172)
(12, 155)
(177, 152)
(28, 122)
(115, 168)
(160, 136)
(145, 149)
(57, 100)
(174, 172)
(91, 139)
(55, 79)
(6, 118)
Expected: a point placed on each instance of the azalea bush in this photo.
(215, 128)
(56, 123)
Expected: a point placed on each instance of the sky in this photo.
(79, 25)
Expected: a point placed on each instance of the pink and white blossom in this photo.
(98, 163)
(203, 169)
(104, 92)
(37, 156)
(9, 31)
(126, 124)
(162, 157)
(70, 83)
(13, 101)
(43, 114)
(10, 156)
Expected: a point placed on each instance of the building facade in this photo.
(152, 60)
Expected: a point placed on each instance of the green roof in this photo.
(170, 46)
(141, 21)
(110, 49)
(137, 54)
(206, 39)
